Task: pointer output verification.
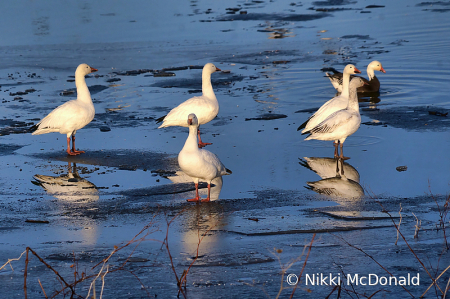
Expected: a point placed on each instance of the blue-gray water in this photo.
(410, 38)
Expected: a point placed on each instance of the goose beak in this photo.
(93, 70)
(357, 71)
(218, 70)
(382, 70)
(190, 121)
(365, 83)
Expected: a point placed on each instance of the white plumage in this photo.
(333, 105)
(197, 163)
(205, 107)
(72, 115)
(342, 123)
(373, 84)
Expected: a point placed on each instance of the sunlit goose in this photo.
(342, 123)
(333, 105)
(197, 163)
(72, 115)
(373, 84)
(206, 106)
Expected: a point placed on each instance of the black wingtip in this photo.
(303, 125)
(33, 128)
(161, 119)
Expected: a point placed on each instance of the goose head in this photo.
(84, 69)
(376, 66)
(192, 120)
(210, 68)
(357, 82)
(351, 69)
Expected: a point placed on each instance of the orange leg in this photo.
(342, 153)
(73, 146)
(197, 197)
(209, 193)
(200, 143)
(71, 153)
(336, 154)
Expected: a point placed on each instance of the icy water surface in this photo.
(282, 190)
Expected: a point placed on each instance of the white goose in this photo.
(72, 115)
(199, 163)
(373, 84)
(206, 106)
(342, 123)
(333, 105)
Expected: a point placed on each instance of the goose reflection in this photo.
(69, 187)
(339, 179)
(216, 184)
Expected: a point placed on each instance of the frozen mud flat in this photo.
(72, 211)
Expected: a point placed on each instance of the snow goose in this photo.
(197, 163)
(206, 106)
(333, 105)
(342, 123)
(373, 84)
(72, 115)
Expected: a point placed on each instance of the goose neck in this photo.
(345, 85)
(370, 73)
(207, 86)
(191, 143)
(83, 93)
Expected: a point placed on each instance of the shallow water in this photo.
(46, 41)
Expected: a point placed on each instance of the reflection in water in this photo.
(203, 220)
(69, 187)
(216, 184)
(339, 179)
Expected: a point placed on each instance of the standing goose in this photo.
(373, 84)
(72, 115)
(342, 123)
(333, 105)
(199, 163)
(206, 106)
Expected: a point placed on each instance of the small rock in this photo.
(401, 168)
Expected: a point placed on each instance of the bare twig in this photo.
(417, 227)
(400, 222)
(372, 258)
(25, 276)
(303, 268)
(434, 282)
(45, 295)
(11, 260)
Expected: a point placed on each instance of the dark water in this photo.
(274, 52)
